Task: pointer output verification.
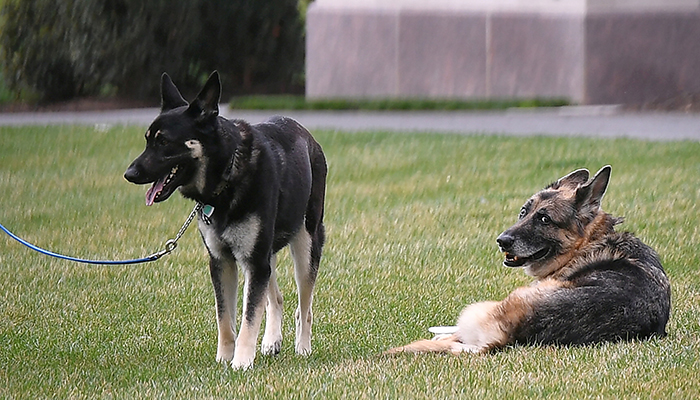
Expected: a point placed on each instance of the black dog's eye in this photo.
(161, 140)
(545, 219)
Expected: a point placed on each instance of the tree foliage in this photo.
(67, 48)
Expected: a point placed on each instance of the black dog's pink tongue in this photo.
(154, 190)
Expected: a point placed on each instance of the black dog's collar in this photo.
(206, 210)
(236, 159)
(229, 174)
(225, 178)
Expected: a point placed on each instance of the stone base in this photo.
(583, 54)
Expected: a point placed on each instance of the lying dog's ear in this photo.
(206, 104)
(573, 180)
(170, 96)
(590, 195)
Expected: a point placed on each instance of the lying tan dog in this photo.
(592, 284)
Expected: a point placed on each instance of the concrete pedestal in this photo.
(587, 51)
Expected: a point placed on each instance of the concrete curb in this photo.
(579, 121)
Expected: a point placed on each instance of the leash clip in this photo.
(170, 245)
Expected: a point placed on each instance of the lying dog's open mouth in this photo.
(518, 261)
(163, 187)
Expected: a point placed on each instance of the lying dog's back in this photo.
(617, 290)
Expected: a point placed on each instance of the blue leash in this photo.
(170, 245)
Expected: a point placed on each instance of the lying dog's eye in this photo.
(523, 213)
(545, 219)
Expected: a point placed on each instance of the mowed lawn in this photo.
(411, 224)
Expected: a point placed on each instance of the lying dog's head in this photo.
(555, 221)
(175, 141)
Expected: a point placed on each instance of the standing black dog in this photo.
(261, 187)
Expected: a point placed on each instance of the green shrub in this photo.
(67, 48)
(258, 45)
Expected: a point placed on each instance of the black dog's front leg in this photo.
(224, 278)
(257, 277)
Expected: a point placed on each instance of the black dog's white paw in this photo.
(271, 348)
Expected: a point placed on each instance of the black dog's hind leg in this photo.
(300, 247)
(306, 253)
(224, 277)
(306, 247)
(272, 338)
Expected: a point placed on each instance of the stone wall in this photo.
(587, 51)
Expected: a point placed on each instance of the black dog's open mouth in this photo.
(516, 261)
(163, 187)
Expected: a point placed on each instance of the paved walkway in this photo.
(585, 121)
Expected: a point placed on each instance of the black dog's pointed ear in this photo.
(591, 194)
(574, 179)
(170, 96)
(206, 104)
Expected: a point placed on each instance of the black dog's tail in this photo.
(314, 209)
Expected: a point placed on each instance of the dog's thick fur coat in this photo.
(593, 284)
(262, 188)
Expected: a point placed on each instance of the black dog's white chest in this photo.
(238, 239)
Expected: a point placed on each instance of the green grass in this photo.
(411, 223)
(291, 102)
